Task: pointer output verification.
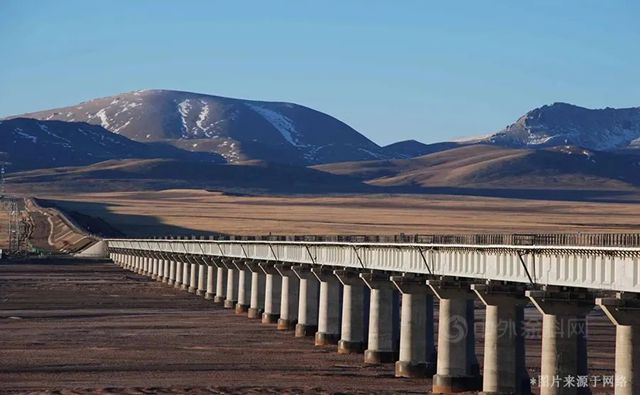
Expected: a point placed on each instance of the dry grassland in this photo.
(181, 211)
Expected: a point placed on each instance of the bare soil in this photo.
(81, 327)
(76, 327)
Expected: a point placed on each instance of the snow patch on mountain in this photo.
(27, 136)
(183, 108)
(284, 125)
(104, 119)
(203, 116)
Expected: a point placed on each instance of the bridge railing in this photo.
(539, 239)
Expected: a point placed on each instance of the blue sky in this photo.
(393, 70)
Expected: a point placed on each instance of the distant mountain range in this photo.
(33, 144)
(561, 124)
(160, 132)
(234, 128)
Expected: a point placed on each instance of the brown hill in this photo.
(161, 174)
(491, 166)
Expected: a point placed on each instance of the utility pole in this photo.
(2, 190)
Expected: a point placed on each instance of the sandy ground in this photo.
(79, 327)
(185, 212)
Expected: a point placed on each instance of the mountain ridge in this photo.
(237, 129)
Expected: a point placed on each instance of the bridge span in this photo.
(377, 297)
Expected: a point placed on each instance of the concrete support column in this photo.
(417, 350)
(383, 319)
(155, 268)
(232, 290)
(256, 304)
(622, 310)
(272, 289)
(244, 288)
(329, 308)
(288, 298)
(148, 266)
(352, 330)
(144, 267)
(193, 278)
(307, 302)
(159, 269)
(139, 265)
(202, 279)
(457, 367)
(211, 282)
(186, 266)
(564, 328)
(172, 271)
(179, 272)
(165, 270)
(504, 358)
(221, 282)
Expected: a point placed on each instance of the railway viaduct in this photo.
(376, 296)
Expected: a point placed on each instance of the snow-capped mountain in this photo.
(32, 144)
(559, 124)
(236, 129)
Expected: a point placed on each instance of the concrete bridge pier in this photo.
(137, 267)
(154, 268)
(623, 310)
(172, 271)
(504, 358)
(272, 289)
(288, 298)
(564, 330)
(193, 278)
(329, 307)
(244, 287)
(232, 292)
(307, 302)
(211, 280)
(179, 272)
(160, 272)
(417, 350)
(137, 262)
(142, 262)
(221, 281)
(352, 331)
(146, 269)
(201, 289)
(186, 266)
(382, 341)
(157, 269)
(457, 368)
(256, 305)
(165, 270)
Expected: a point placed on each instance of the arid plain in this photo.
(184, 212)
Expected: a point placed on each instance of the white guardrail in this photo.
(603, 268)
